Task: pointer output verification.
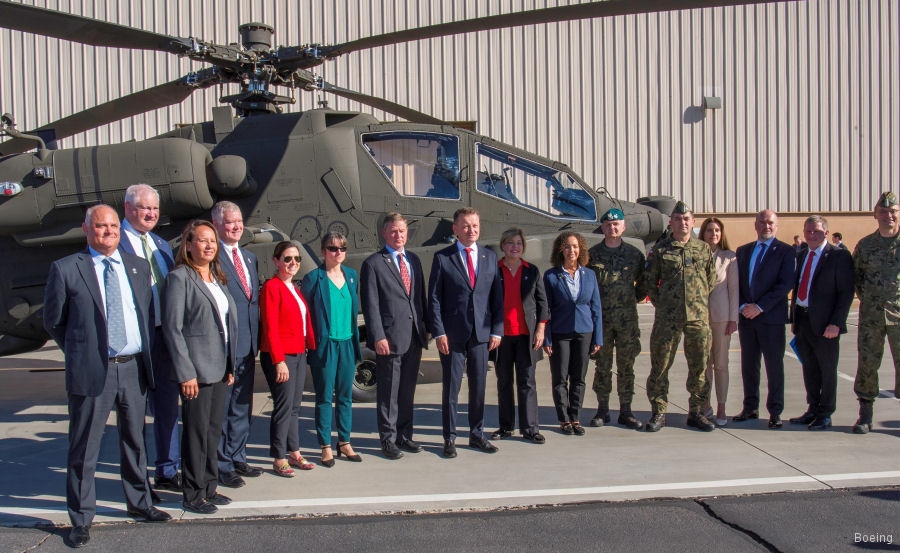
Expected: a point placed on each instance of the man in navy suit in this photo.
(823, 292)
(392, 293)
(141, 215)
(242, 271)
(97, 306)
(465, 315)
(765, 276)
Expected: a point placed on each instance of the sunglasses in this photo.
(289, 258)
(334, 249)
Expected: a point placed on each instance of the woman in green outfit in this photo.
(331, 293)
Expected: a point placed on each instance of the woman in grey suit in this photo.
(198, 332)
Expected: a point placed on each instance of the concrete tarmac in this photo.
(607, 464)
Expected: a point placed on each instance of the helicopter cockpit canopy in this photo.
(532, 185)
(422, 164)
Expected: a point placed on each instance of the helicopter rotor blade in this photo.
(76, 28)
(574, 12)
(399, 110)
(134, 104)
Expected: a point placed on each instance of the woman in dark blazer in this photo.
(331, 291)
(575, 330)
(286, 336)
(524, 316)
(199, 334)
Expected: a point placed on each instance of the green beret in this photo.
(682, 208)
(613, 215)
(887, 199)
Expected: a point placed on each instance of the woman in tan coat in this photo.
(723, 312)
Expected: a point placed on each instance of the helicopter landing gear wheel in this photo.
(364, 382)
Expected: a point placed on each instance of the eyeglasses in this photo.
(289, 258)
(334, 249)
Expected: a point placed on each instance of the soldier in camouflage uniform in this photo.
(876, 260)
(680, 274)
(620, 277)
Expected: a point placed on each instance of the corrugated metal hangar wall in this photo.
(810, 116)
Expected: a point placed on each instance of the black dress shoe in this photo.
(231, 480)
(535, 437)
(745, 415)
(483, 445)
(390, 450)
(775, 422)
(201, 507)
(820, 423)
(170, 484)
(219, 499)
(656, 422)
(700, 422)
(406, 444)
(80, 535)
(246, 470)
(805, 418)
(501, 434)
(449, 449)
(150, 515)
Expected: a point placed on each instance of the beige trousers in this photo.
(717, 365)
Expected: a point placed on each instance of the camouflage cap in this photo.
(887, 199)
(682, 208)
(613, 215)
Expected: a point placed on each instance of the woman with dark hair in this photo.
(575, 330)
(524, 316)
(331, 290)
(723, 313)
(286, 336)
(199, 332)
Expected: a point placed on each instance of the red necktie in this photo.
(404, 274)
(239, 267)
(803, 292)
(471, 267)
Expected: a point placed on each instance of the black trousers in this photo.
(766, 341)
(469, 358)
(819, 358)
(238, 412)
(284, 425)
(397, 375)
(568, 365)
(514, 362)
(202, 419)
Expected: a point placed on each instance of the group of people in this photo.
(142, 325)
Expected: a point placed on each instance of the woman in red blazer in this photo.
(286, 335)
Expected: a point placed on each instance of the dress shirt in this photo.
(221, 304)
(462, 255)
(229, 253)
(573, 283)
(137, 245)
(395, 255)
(812, 272)
(132, 330)
(293, 290)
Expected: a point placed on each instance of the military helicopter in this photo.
(295, 175)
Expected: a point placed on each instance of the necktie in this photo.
(115, 317)
(803, 292)
(470, 266)
(155, 270)
(759, 256)
(404, 274)
(239, 267)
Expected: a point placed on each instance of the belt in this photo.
(119, 359)
(801, 309)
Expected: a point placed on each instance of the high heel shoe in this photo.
(350, 457)
(327, 462)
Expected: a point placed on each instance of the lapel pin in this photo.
(133, 271)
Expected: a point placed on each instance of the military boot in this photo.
(627, 419)
(864, 423)
(700, 422)
(602, 416)
(657, 421)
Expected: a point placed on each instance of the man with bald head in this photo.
(765, 276)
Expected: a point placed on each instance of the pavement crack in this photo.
(749, 533)
(38, 544)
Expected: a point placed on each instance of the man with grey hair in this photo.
(141, 215)
(242, 272)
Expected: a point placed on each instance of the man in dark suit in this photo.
(837, 239)
(242, 271)
(392, 292)
(141, 215)
(765, 276)
(465, 315)
(823, 292)
(98, 307)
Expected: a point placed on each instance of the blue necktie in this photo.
(759, 256)
(115, 316)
